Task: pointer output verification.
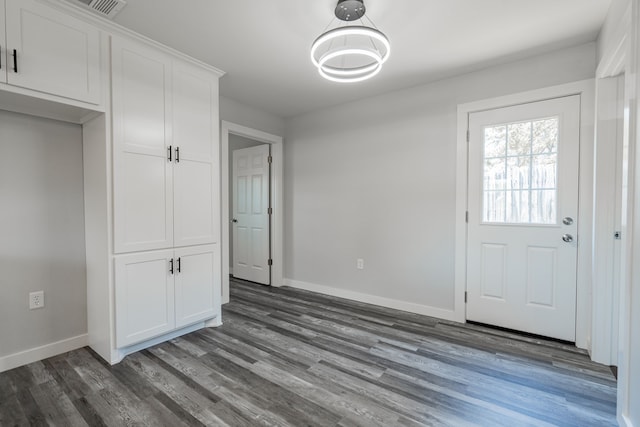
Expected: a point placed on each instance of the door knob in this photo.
(567, 220)
(234, 220)
(567, 238)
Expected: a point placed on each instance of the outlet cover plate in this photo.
(36, 300)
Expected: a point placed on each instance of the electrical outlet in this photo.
(36, 300)
(360, 264)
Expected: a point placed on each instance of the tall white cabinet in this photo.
(165, 201)
(151, 164)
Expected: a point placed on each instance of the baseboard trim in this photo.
(624, 421)
(426, 310)
(38, 353)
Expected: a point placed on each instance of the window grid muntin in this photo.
(507, 189)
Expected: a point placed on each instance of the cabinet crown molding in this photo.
(113, 28)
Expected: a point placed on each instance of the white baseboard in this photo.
(624, 421)
(426, 310)
(49, 350)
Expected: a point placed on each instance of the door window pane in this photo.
(520, 172)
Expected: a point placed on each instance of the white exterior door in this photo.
(142, 156)
(250, 214)
(522, 226)
(195, 134)
(55, 53)
(144, 296)
(196, 279)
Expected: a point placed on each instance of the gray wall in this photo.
(375, 179)
(42, 232)
(246, 115)
(236, 142)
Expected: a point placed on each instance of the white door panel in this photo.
(195, 98)
(196, 280)
(250, 214)
(56, 53)
(195, 132)
(144, 296)
(195, 212)
(143, 202)
(523, 181)
(140, 98)
(143, 167)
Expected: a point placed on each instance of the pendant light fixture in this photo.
(350, 53)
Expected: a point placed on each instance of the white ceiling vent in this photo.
(105, 8)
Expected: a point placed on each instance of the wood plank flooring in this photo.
(286, 357)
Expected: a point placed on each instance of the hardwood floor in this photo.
(295, 358)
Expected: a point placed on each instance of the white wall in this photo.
(236, 142)
(611, 30)
(375, 179)
(246, 115)
(42, 232)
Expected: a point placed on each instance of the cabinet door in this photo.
(195, 133)
(142, 156)
(197, 284)
(56, 53)
(144, 296)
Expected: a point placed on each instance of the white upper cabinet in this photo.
(195, 128)
(142, 155)
(51, 52)
(165, 124)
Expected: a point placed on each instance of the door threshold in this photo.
(249, 282)
(521, 333)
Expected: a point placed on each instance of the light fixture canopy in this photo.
(350, 53)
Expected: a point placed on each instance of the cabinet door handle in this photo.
(15, 61)
(169, 152)
(177, 154)
(178, 264)
(171, 266)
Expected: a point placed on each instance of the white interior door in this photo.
(250, 214)
(523, 206)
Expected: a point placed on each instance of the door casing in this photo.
(277, 200)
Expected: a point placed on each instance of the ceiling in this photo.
(263, 45)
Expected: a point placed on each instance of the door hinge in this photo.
(270, 159)
(270, 211)
(465, 297)
(466, 216)
(468, 135)
(269, 261)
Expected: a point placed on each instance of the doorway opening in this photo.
(252, 246)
